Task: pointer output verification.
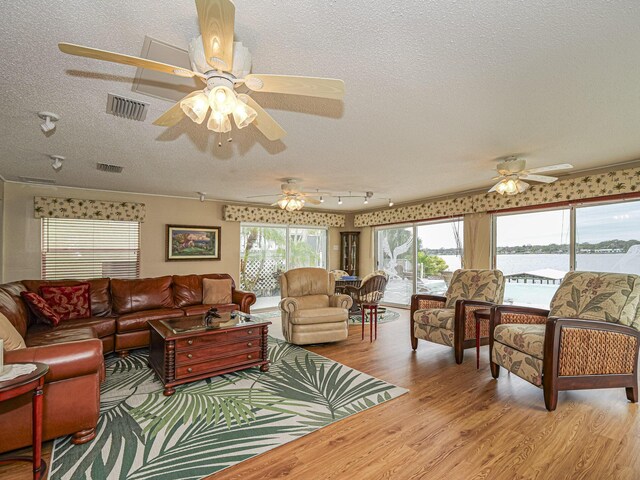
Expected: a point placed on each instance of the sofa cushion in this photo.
(138, 320)
(12, 340)
(193, 310)
(40, 308)
(98, 291)
(320, 315)
(50, 336)
(481, 285)
(141, 294)
(102, 326)
(13, 307)
(69, 302)
(527, 338)
(216, 291)
(313, 301)
(187, 290)
(436, 317)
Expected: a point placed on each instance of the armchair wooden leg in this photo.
(414, 342)
(550, 396)
(495, 370)
(459, 352)
(632, 393)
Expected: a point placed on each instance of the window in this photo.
(608, 237)
(418, 258)
(267, 250)
(439, 253)
(77, 248)
(532, 250)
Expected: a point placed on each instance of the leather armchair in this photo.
(311, 310)
(588, 339)
(450, 320)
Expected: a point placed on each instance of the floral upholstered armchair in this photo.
(450, 320)
(588, 339)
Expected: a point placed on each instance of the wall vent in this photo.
(41, 181)
(105, 167)
(126, 107)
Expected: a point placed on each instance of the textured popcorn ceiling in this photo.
(435, 91)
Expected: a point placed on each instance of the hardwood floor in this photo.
(456, 422)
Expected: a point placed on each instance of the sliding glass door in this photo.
(266, 251)
(418, 258)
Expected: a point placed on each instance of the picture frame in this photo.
(188, 243)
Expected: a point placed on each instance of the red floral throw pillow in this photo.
(68, 302)
(40, 308)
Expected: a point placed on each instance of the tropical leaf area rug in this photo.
(215, 423)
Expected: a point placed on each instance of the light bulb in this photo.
(195, 107)
(222, 100)
(243, 114)
(219, 123)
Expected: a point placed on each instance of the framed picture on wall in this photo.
(193, 243)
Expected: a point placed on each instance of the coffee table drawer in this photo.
(211, 351)
(219, 337)
(217, 364)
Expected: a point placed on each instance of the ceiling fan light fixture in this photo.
(195, 107)
(222, 100)
(243, 114)
(219, 123)
(511, 186)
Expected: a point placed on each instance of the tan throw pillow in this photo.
(216, 291)
(12, 338)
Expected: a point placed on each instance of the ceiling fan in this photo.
(292, 197)
(512, 172)
(223, 65)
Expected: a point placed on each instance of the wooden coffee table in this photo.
(184, 350)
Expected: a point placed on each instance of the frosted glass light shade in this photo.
(222, 100)
(291, 204)
(243, 114)
(195, 107)
(219, 123)
(512, 186)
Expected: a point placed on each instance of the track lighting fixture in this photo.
(366, 200)
(339, 200)
(202, 196)
(49, 121)
(390, 203)
(56, 162)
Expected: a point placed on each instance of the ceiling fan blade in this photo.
(264, 122)
(174, 114)
(550, 168)
(312, 201)
(97, 54)
(263, 196)
(309, 86)
(217, 19)
(539, 178)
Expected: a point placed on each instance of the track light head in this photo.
(202, 196)
(339, 200)
(390, 203)
(49, 121)
(56, 162)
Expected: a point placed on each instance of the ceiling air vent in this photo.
(126, 108)
(105, 167)
(42, 181)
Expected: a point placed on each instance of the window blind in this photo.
(78, 248)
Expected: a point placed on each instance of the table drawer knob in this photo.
(190, 342)
(189, 356)
(189, 370)
(249, 332)
(249, 344)
(249, 357)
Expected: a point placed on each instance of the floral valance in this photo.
(238, 213)
(51, 207)
(572, 189)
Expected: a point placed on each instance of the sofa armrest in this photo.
(421, 301)
(65, 360)
(243, 299)
(589, 347)
(341, 301)
(515, 314)
(289, 305)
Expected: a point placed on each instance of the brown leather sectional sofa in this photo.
(74, 350)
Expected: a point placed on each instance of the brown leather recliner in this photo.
(311, 310)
